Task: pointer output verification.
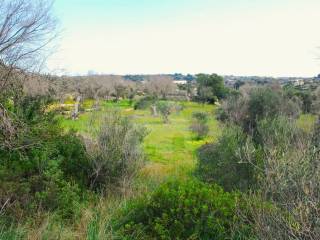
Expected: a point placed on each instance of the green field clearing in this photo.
(170, 148)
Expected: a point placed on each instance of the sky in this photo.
(228, 37)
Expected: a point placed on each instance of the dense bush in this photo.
(117, 153)
(229, 162)
(268, 103)
(183, 210)
(144, 103)
(210, 88)
(281, 163)
(305, 97)
(246, 110)
(42, 168)
(290, 178)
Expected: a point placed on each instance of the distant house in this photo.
(180, 82)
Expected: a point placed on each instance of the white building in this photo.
(181, 82)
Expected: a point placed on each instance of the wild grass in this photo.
(306, 122)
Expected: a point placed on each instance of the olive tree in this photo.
(165, 109)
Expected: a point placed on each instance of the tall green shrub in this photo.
(229, 162)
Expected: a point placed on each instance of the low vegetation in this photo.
(183, 210)
(199, 125)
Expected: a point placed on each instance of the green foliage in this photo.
(182, 210)
(144, 103)
(226, 162)
(278, 167)
(11, 233)
(40, 170)
(200, 116)
(260, 103)
(279, 132)
(199, 125)
(116, 155)
(263, 102)
(210, 87)
(304, 95)
(75, 164)
(93, 229)
(165, 108)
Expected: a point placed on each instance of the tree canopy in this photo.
(210, 88)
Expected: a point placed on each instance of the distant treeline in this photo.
(175, 77)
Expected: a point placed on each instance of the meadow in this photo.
(170, 148)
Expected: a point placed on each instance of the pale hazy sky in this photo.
(239, 37)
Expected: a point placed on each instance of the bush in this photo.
(267, 220)
(165, 109)
(144, 103)
(199, 125)
(227, 162)
(280, 168)
(260, 103)
(42, 168)
(210, 88)
(199, 129)
(117, 154)
(182, 210)
(268, 103)
(200, 116)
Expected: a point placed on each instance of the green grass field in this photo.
(170, 148)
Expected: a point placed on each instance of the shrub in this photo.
(182, 210)
(284, 161)
(260, 103)
(267, 220)
(199, 129)
(38, 170)
(75, 163)
(210, 88)
(199, 125)
(290, 177)
(200, 116)
(228, 162)
(281, 169)
(264, 103)
(165, 109)
(144, 103)
(117, 154)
